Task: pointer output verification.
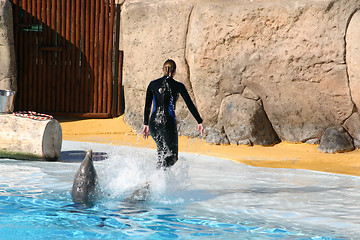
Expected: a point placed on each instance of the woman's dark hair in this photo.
(169, 67)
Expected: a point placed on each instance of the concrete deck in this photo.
(284, 155)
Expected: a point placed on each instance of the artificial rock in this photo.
(335, 140)
(7, 48)
(292, 56)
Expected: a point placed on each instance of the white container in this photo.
(6, 101)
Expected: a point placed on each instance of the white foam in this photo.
(121, 175)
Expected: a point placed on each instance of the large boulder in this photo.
(353, 56)
(335, 140)
(7, 48)
(352, 125)
(245, 122)
(290, 53)
(291, 56)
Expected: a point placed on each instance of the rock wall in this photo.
(259, 71)
(152, 32)
(7, 48)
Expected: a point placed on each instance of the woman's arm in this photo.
(148, 102)
(189, 103)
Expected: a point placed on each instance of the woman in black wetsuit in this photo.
(163, 93)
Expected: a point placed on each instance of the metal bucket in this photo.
(6, 101)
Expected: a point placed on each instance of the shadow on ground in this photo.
(78, 156)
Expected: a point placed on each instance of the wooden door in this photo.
(67, 57)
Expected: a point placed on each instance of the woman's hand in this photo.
(146, 131)
(200, 128)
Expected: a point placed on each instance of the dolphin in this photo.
(85, 182)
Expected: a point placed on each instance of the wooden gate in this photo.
(67, 57)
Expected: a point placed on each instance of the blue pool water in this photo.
(200, 198)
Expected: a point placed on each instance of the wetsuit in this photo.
(163, 93)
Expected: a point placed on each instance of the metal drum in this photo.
(6, 101)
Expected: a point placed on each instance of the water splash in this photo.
(135, 177)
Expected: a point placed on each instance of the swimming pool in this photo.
(201, 198)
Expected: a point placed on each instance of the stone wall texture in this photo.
(259, 71)
(7, 48)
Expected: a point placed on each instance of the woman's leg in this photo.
(170, 147)
(166, 138)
